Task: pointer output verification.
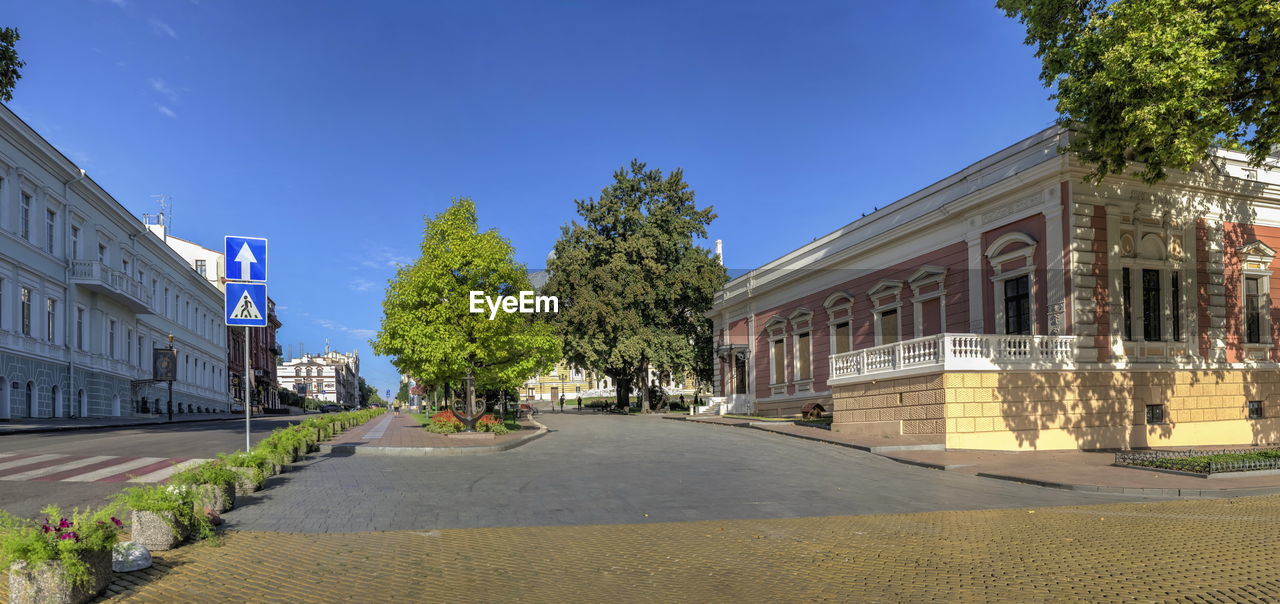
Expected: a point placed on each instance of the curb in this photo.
(1086, 488)
(128, 425)
(435, 451)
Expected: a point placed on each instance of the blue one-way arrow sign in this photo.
(246, 258)
(246, 304)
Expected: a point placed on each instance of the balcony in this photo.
(106, 280)
(954, 352)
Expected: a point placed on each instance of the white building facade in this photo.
(86, 293)
(333, 377)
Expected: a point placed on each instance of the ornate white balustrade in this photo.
(102, 278)
(957, 352)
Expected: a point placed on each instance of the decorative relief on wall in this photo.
(1013, 207)
(1057, 318)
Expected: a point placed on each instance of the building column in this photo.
(976, 287)
(1055, 275)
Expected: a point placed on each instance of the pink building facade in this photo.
(1013, 305)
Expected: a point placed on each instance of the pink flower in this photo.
(47, 528)
(63, 524)
(69, 535)
(116, 521)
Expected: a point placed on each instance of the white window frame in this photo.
(997, 257)
(1255, 262)
(881, 290)
(836, 302)
(82, 328)
(776, 330)
(925, 276)
(800, 323)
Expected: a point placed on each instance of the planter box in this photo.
(153, 531)
(219, 498)
(47, 583)
(473, 435)
(246, 484)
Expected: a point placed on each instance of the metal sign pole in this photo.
(248, 377)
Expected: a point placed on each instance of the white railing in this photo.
(958, 352)
(91, 272)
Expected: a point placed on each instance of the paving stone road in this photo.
(1206, 550)
(604, 469)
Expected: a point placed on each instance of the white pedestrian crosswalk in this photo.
(55, 467)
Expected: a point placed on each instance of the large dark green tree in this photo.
(428, 328)
(632, 282)
(10, 65)
(1158, 82)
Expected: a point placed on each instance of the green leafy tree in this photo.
(10, 65)
(632, 283)
(428, 327)
(402, 395)
(1158, 82)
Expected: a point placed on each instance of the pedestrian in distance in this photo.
(562, 403)
(579, 403)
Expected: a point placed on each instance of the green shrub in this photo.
(177, 501)
(254, 460)
(212, 472)
(59, 538)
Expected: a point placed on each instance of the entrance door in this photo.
(57, 402)
(555, 393)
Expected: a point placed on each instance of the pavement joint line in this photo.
(1086, 488)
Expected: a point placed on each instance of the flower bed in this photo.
(445, 422)
(62, 560)
(1203, 462)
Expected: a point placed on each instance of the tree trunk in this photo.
(644, 388)
(623, 397)
(470, 400)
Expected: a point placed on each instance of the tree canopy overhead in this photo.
(1158, 82)
(10, 65)
(632, 283)
(428, 327)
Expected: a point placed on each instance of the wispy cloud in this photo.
(163, 87)
(361, 285)
(383, 257)
(336, 326)
(160, 28)
(167, 112)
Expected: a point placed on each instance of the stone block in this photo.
(47, 582)
(157, 531)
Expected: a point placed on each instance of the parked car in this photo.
(330, 408)
(237, 407)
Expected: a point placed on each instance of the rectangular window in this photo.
(779, 351)
(166, 301)
(50, 320)
(844, 338)
(128, 352)
(25, 297)
(1175, 294)
(200, 268)
(1151, 305)
(24, 218)
(79, 329)
(1252, 311)
(1017, 305)
(1126, 303)
(803, 359)
(75, 242)
(1155, 414)
(888, 326)
(111, 339)
(102, 253)
(50, 228)
(1255, 410)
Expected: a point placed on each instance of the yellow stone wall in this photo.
(915, 403)
(1069, 409)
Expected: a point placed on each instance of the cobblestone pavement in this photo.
(604, 469)
(1188, 551)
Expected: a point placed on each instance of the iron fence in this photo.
(1203, 461)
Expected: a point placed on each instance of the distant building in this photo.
(333, 377)
(263, 349)
(573, 381)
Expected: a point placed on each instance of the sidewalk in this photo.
(405, 435)
(1074, 470)
(39, 424)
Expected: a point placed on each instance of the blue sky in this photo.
(334, 127)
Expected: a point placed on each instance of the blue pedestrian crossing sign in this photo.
(246, 258)
(246, 304)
